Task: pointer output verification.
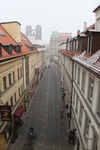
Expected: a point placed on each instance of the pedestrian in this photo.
(61, 113)
(70, 136)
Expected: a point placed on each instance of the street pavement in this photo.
(43, 114)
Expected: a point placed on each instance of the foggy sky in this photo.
(53, 15)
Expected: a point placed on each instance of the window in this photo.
(87, 125)
(18, 73)
(98, 107)
(76, 107)
(6, 104)
(21, 71)
(19, 91)
(11, 101)
(4, 82)
(78, 77)
(83, 81)
(81, 114)
(9, 76)
(75, 72)
(15, 97)
(90, 89)
(21, 88)
(74, 92)
(13, 76)
(95, 142)
(89, 43)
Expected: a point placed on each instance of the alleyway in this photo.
(43, 115)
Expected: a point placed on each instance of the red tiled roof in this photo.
(24, 42)
(69, 53)
(5, 38)
(64, 36)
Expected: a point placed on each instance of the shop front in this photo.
(18, 117)
(6, 136)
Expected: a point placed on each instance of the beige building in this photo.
(19, 60)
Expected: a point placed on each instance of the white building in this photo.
(79, 66)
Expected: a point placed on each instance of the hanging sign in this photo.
(5, 113)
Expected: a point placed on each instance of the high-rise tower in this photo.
(38, 32)
(28, 30)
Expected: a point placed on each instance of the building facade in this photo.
(19, 60)
(55, 41)
(83, 54)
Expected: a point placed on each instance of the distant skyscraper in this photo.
(38, 32)
(28, 30)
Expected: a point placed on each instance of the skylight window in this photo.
(1, 33)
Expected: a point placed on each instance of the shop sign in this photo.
(5, 113)
(36, 71)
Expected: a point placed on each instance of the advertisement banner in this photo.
(5, 113)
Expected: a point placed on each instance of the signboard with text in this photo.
(5, 113)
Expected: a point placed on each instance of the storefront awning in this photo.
(18, 114)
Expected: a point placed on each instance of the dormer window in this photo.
(89, 44)
(1, 33)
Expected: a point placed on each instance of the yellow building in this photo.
(19, 60)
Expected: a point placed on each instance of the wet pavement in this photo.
(43, 115)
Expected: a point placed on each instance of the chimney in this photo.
(78, 32)
(85, 26)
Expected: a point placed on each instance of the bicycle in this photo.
(29, 140)
(28, 145)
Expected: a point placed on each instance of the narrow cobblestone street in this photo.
(43, 115)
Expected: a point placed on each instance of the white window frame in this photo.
(81, 114)
(90, 89)
(86, 127)
(78, 77)
(75, 71)
(76, 103)
(83, 81)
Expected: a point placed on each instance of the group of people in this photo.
(72, 136)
